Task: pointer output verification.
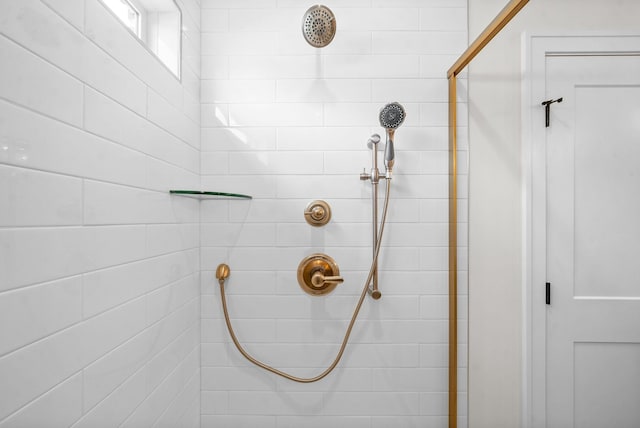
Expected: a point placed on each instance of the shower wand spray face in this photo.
(391, 117)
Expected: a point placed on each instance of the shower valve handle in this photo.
(318, 279)
(318, 274)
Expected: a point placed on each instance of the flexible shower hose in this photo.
(335, 362)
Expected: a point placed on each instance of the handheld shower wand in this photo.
(391, 117)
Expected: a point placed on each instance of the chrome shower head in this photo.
(319, 26)
(391, 117)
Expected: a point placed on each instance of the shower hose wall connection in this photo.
(318, 274)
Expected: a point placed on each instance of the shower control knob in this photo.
(318, 274)
(317, 213)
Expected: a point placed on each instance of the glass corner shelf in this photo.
(198, 194)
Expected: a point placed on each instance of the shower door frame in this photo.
(498, 23)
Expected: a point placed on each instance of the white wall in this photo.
(288, 123)
(495, 194)
(99, 269)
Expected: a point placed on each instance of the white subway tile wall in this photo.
(99, 265)
(109, 308)
(288, 123)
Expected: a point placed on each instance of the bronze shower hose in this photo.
(223, 271)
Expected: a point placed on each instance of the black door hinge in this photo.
(547, 297)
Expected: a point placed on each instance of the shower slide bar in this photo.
(391, 117)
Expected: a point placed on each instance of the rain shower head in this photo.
(318, 26)
(391, 117)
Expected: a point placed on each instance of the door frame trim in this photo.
(536, 48)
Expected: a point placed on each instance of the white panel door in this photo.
(593, 242)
